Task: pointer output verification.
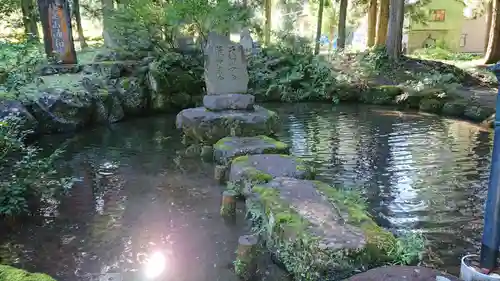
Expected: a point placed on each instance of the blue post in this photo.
(491, 232)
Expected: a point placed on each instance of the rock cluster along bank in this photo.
(105, 91)
(317, 231)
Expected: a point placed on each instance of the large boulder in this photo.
(205, 126)
(229, 148)
(316, 231)
(59, 103)
(133, 96)
(246, 171)
(406, 273)
(14, 108)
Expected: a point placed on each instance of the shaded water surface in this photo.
(138, 193)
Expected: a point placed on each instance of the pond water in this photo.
(138, 193)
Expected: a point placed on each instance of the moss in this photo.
(8, 273)
(300, 251)
(431, 105)
(454, 108)
(221, 144)
(240, 159)
(4, 95)
(278, 144)
(255, 175)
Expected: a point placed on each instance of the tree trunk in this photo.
(342, 24)
(489, 15)
(318, 27)
(493, 52)
(107, 9)
(79, 27)
(372, 23)
(395, 34)
(267, 24)
(29, 20)
(382, 22)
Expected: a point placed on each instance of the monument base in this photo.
(204, 126)
(229, 102)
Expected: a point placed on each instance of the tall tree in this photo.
(78, 20)
(395, 34)
(29, 19)
(107, 10)
(489, 15)
(342, 24)
(318, 27)
(382, 21)
(493, 51)
(267, 24)
(372, 22)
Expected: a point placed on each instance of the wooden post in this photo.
(57, 35)
(245, 264)
(220, 173)
(228, 206)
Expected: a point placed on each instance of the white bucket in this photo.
(468, 273)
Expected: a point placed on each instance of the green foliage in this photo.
(439, 53)
(279, 73)
(27, 175)
(408, 249)
(18, 63)
(8, 273)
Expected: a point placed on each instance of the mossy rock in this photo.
(454, 108)
(207, 127)
(8, 273)
(478, 113)
(431, 105)
(381, 95)
(316, 231)
(245, 171)
(230, 147)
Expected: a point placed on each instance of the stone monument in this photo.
(246, 41)
(228, 110)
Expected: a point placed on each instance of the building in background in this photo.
(451, 25)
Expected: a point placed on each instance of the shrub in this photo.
(27, 176)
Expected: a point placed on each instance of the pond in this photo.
(138, 193)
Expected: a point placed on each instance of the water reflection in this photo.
(138, 194)
(419, 172)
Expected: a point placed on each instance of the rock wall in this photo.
(105, 91)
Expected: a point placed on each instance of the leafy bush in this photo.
(27, 176)
(18, 63)
(280, 73)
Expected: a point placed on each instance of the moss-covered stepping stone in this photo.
(316, 231)
(245, 171)
(228, 148)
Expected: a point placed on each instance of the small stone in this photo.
(246, 171)
(229, 148)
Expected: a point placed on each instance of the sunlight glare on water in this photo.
(155, 265)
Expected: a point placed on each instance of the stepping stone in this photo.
(248, 170)
(317, 231)
(204, 126)
(229, 148)
(406, 273)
